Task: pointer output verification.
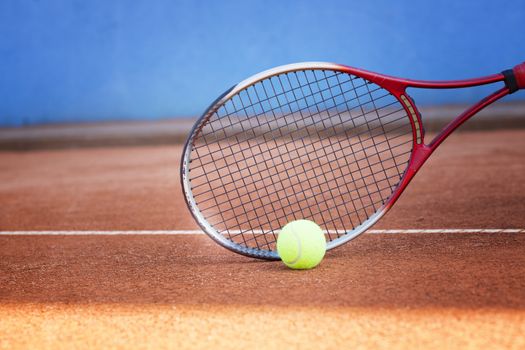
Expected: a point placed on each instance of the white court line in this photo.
(199, 232)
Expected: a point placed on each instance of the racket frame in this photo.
(397, 87)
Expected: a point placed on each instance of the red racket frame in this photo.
(513, 80)
(422, 151)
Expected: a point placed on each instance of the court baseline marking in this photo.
(199, 232)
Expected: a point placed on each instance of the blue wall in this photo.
(65, 60)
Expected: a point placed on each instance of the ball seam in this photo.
(299, 247)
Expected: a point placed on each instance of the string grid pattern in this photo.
(321, 145)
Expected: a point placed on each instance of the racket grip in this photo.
(519, 73)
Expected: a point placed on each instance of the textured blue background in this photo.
(66, 61)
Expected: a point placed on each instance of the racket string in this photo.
(327, 209)
(292, 141)
(355, 190)
(246, 197)
(268, 123)
(355, 180)
(239, 170)
(304, 97)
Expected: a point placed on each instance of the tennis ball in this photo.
(301, 244)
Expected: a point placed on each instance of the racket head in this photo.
(385, 106)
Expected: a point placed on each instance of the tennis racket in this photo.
(320, 141)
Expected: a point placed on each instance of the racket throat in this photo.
(419, 155)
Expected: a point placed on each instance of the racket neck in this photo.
(422, 151)
(466, 115)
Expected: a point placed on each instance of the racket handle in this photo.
(519, 73)
(514, 78)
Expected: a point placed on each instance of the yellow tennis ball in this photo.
(301, 244)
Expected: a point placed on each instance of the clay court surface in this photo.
(432, 290)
